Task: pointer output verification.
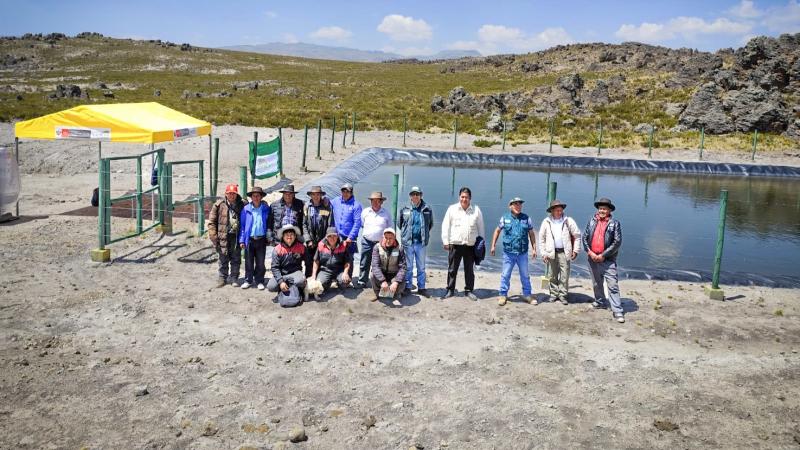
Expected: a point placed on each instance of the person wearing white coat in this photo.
(461, 226)
(559, 242)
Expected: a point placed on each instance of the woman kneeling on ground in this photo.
(332, 261)
(287, 262)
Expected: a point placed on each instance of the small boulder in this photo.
(568, 123)
(643, 128)
(297, 434)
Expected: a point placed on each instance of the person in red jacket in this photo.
(287, 261)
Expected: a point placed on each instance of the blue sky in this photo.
(414, 26)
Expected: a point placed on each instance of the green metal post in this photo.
(504, 135)
(455, 133)
(502, 174)
(319, 137)
(255, 152)
(280, 153)
(353, 134)
(167, 202)
(702, 141)
(650, 142)
(453, 182)
(344, 136)
(755, 142)
(16, 155)
(395, 192)
(305, 147)
(210, 164)
(139, 195)
(600, 140)
(547, 189)
(243, 181)
(596, 183)
(215, 175)
(552, 128)
(715, 291)
(201, 215)
(405, 128)
(160, 181)
(101, 203)
(551, 192)
(646, 188)
(333, 132)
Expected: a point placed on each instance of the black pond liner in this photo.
(360, 165)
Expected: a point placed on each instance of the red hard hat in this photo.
(232, 188)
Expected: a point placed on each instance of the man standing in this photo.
(288, 210)
(462, 224)
(388, 266)
(517, 229)
(416, 222)
(602, 239)
(347, 218)
(317, 217)
(223, 231)
(253, 238)
(374, 220)
(559, 239)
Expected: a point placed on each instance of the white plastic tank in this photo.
(9, 183)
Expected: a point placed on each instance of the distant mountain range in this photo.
(304, 50)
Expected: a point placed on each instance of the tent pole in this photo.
(16, 155)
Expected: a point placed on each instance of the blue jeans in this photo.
(415, 256)
(509, 261)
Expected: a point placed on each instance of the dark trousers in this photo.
(326, 278)
(254, 256)
(308, 258)
(454, 257)
(351, 248)
(366, 260)
(230, 257)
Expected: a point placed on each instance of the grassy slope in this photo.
(380, 93)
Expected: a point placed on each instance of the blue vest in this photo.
(515, 233)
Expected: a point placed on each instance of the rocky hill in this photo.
(629, 88)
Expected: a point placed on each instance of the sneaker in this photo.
(233, 282)
(471, 296)
(245, 285)
(448, 293)
(532, 300)
(422, 292)
(220, 282)
(503, 300)
(564, 301)
(598, 304)
(260, 286)
(620, 317)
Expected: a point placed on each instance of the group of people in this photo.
(318, 240)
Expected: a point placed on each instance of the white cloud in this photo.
(405, 29)
(494, 39)
(680, 27)
(334, 33)
(270, 14)
(745, 10)
(289, 38)
(783, 19)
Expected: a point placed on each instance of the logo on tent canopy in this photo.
(183, 133)
(83, 133)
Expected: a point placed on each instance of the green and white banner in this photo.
(265, 160)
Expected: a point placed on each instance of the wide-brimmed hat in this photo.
(516, 200)
(415, 189)
(330, 231)
(288, 188)
(256, 190)
(555, 203)
(389, 230)
(604, 201)
(232, 189)
(347, 186)
(377, 195)
(315, 190)
(288, 227)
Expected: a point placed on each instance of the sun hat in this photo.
(555, 203)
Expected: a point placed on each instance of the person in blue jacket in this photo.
(253, 238)
(347, 217)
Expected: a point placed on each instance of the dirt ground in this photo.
(144, 352)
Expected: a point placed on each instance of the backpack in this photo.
(290, 299)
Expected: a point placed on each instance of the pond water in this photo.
(669, 221)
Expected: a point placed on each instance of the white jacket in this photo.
(570, 236)
(462, 227)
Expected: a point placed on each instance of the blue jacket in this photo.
(347, 216)
(515, 233)
(406, 222)
(247, 222)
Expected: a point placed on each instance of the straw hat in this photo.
(377, 195)
(555, 203)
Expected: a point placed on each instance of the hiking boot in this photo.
(245, 285)
(471, 296)
(620, 317)
(448, 293)
(503, 300)
(260, 286)
(532, 300)
(422, 292)
(220, 282)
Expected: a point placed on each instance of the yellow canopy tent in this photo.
(144, 123)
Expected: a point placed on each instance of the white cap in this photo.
(389, 230)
